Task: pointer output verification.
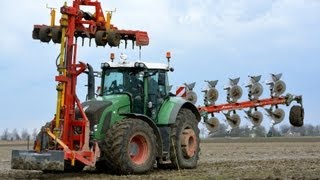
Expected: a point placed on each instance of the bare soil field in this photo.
(221, 158)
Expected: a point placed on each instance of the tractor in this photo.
(138, 122)
(133, 122)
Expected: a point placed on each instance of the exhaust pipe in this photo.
(91, 83)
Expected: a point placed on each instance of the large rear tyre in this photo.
(184, 149)
(106, 163)
(133, 147)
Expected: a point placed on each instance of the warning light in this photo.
(168, 55)
(112, 56)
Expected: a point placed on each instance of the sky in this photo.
(208, 39)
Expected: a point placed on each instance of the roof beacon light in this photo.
(111, 57)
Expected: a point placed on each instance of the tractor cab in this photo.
(145, 83)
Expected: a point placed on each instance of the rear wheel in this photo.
(133, 146)
(184, 146)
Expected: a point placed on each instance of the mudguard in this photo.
(170, 109)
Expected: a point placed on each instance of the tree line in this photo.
(15, 135)
(243, 131)
(261, 131)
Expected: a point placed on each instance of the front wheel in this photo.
(133, 146)
(184, 150)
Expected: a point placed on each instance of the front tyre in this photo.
(133, 147)
(184, 150)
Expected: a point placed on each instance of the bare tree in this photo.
(5, 135)
(34, 134)
(284, 129)
(25, 135)
(15, 135)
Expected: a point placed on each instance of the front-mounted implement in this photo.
(64, 143)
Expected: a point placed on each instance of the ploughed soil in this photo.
(221, 158)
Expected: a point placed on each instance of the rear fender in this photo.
(152, 125)
(170, 109)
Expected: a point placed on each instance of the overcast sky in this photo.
(209, 39)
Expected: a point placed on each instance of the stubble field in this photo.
(221, 158)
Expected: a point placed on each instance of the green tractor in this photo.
(138, 123)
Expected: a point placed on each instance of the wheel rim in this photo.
(138, 150)
(188, 143)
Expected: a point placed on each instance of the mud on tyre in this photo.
(184, 146)
(132, 147)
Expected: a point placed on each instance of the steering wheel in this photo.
(114, 88)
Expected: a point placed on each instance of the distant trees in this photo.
(261, 131)
(5, 134)
(15, 135)
(243, 131)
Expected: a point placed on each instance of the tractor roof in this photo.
(127, 64)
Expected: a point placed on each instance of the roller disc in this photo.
(234, 120)
(100, 38)
(278, 115)
(256, 90)
(44, 34)
(113, 39)
(235, 93)
(256, 118)
(296, 116)
(56, 35)
(36, 33)
(212, 95)
(192, 97)
(279, 88)
(213, 124)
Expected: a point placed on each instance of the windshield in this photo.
(122, 81)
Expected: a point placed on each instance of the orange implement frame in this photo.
(243, 105)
